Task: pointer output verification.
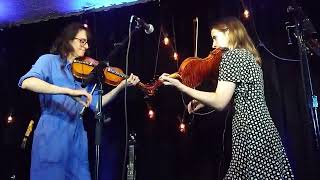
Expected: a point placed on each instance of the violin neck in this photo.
(149, 90)
(120, 74)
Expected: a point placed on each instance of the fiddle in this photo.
(112, 75)
(193, 70)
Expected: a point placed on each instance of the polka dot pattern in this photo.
(257, 150)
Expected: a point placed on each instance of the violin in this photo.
(112, 75)
(194, 70)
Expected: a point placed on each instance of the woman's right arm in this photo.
(39, 86)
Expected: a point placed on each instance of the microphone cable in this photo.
(260, 42)
(125, 102)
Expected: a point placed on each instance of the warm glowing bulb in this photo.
(246, 13)
(175, 56)
(85, 25)
(166, 41)
(10, 119)
(151, 114)
(182, 127)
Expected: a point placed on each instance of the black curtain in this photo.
(284, 87)
(163, 152)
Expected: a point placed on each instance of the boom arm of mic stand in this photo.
(98, 70)
(121, 44)
(95, 73)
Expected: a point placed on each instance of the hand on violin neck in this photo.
(173, 75)
(170, 80)
(131, 81)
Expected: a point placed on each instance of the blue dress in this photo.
(60, 145)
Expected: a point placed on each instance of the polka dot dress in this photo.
(257, 151)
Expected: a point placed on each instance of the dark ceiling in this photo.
(15, 12)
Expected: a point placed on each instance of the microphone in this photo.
(148, 28)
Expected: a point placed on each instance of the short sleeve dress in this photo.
(257, 150)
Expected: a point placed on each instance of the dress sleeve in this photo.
(39, 70)
(235, 66)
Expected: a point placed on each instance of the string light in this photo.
(151, 114)
(246, 13)
(175, 56)
(166, 41)
(10, 119)
(182, 127)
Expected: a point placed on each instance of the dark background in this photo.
(162, 151)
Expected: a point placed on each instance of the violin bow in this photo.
(196, 30)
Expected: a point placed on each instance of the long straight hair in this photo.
(238, 35)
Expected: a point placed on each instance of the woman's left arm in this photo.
(218, 99)
(131, 81)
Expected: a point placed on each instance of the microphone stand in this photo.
(99, 123)
(103, 64)
(97, 75)
(312, 104)
(122, 43)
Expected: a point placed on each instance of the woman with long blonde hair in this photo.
(257, 150)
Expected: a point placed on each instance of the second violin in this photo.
(193, 70)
